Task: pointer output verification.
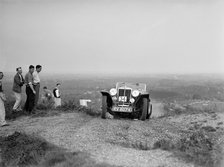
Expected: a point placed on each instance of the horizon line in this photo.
(123, 73)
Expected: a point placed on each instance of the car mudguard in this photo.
(146, 95)
(141, 96)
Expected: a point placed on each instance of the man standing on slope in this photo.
(2, 100)
(30, 92)
(36, 83)
(17, 89)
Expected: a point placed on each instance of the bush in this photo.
(164, 144)
(21, 149)
(196, 97)
(72, 105)
(44, 106)
(171, 109)
(68, 106)
(208, 128)
(47, 109)
(9, 112)
(196, 147)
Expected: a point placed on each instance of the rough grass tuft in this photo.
(10, 115)
(69, 105)
(164, 144)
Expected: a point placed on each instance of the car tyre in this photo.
(104, 107)
(150, 111)
(144, 109)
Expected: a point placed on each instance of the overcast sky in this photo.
(110, 36)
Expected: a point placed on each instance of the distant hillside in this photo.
(161, 87)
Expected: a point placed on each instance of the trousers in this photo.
(37, 89)
(30, 99)
(17, 105)
(57, 102)
(2, 113)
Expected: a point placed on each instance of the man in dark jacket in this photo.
(30, 92)
(17, 85)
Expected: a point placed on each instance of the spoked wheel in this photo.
(144, 109)
(104, 107)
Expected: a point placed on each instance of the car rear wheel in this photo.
(104, 107)
(144, 109)
(150, 111)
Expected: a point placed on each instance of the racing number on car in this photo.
(122, 98)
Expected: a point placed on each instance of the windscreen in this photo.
(135, 86)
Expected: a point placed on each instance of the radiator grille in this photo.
(124, 96)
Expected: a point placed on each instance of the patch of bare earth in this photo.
(116, 142)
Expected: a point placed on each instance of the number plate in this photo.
(122, 109)
(122, 98)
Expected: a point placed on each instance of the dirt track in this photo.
(114, 141)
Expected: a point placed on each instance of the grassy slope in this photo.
(162, 89)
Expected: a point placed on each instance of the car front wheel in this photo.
(144, 109)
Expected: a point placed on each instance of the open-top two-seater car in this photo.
(127, 99)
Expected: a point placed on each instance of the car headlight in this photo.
(114, 98)
(135, 93)
(113, 92)
(132, 100)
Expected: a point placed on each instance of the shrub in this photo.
(68, 106)
(208, 128)
(141, 145)
(171, 109)
(47, 109)
(21, 149)
(8, 108)
(88, 111)
(196, 147)
(44, 106)
(9, 112)
(196, 97)
(164, 144)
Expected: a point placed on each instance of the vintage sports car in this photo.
(127, 99)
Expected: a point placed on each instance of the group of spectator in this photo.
(49, 98)
(32, 84)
